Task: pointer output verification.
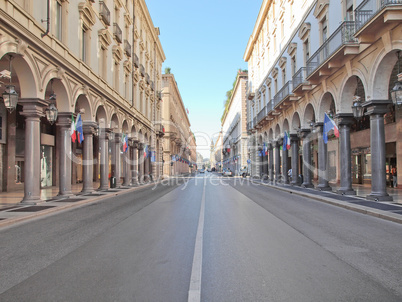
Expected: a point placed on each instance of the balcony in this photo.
(136, 61)
(117, 33)
(249, 126)
(127, 48)
(152, 85)
(160, 130)
(371, 15)
(147, 78)
(283, 98)
(299, 81)
(142, 70)
(340, 44)
(104, 13)
(262, 114)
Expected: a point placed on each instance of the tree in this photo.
(167, 70)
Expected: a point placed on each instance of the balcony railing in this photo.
(136, 61)
(342, 36)
(104, 12)
(147, 78)
(283, 93)
(142, 70)
(369, 8)
(299, 77)
(127, 48)
(254, 121)
(152, 85)
(117, 32)
(262, 114)
(249, 126)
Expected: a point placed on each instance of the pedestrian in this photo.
(290, 174)
(394, 179)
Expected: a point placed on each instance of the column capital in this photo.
(346, 119)
(294, 137)
(33, 107)
(319, 125)
(89, 127)
(64, 119)
(304, 132)
(377, 106)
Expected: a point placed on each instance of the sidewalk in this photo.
(12, 211)
(391, 210)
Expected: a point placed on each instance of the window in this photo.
(324, 31)
(293, 65)
(306, 47)
(84, 45)
(283, 76)
(102, 62)
(59, 21)
(116, 75)
(349, 11)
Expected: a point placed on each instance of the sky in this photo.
(204, 42)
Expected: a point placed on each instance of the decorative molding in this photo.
(292, 49)
(304, 31)
(282, 62)
(117, 53)
(87, 14)
(105, 38)
(321, 8)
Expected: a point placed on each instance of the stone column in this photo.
(146, 166)
(134, 173)
(104, 136)
(376, 110)
(116, 149)
(127, 167)
(323, 184)
(140, 162)
(306, 158)
(345, 120)
(277, 145)
(33, 111)
(64, 152)
(88, 160)
(285, 168)
(294, 142)
(271, 162)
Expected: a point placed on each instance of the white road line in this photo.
(194, 293)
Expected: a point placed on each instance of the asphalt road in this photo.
(209, 239)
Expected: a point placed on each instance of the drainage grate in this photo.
(32, 209)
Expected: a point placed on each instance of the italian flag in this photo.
(73, 131)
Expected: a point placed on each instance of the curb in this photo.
(342, 204)
(15, 220)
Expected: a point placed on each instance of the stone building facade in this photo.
(234, 127)
(179, 147)
(314, 57)
(101, 59)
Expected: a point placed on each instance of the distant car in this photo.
(244, 171)
(227, 172)
(209, 170)
(201, 170)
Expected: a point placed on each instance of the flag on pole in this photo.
(78, 128)
(73, 131)
(286, 141)
(146, 151)
(329, 125)
(125, 142)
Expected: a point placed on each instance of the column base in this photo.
(295, 183)
(307, 185)
(323, 188)
(87, 191)
(31, 201)
(346, 192)
(377, 197)
(65, 194)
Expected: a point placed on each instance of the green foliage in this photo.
(167, 70)
(230, 92)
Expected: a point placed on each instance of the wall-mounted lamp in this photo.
(357, 108)
(396, 92)
(51, 111)
(10, 96)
